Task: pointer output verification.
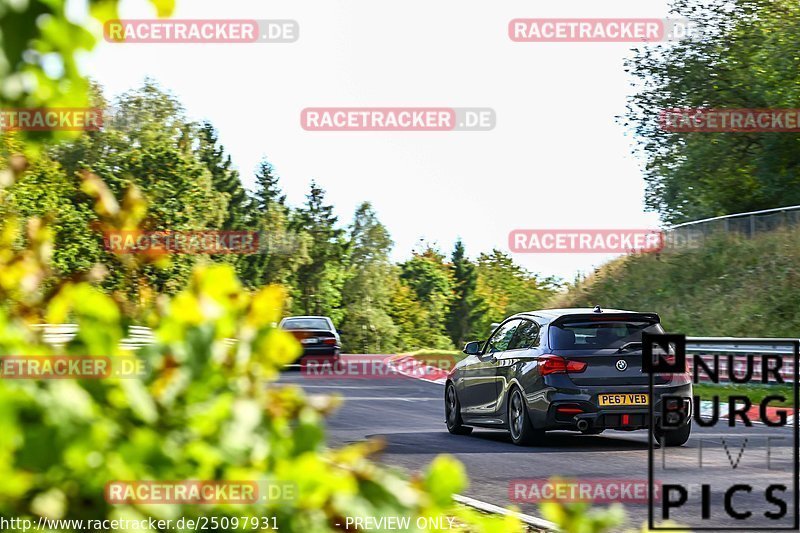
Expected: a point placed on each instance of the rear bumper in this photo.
(320, 352)
(625, 418)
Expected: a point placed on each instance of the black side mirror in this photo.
(473, 348)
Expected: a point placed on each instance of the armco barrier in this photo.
(693, 234)
(705, 347)
(60, 334)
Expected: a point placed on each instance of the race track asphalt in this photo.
(408, 415)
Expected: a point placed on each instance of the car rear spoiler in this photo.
(607, 317)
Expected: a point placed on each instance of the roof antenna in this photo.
(597, 309)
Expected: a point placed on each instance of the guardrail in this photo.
(712, 350)
(58, 335)
(721, 352)
(693, 234)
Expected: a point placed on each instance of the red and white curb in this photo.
(409, 366)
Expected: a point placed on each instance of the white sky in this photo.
(557, 158)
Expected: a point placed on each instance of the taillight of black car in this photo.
(555, 364)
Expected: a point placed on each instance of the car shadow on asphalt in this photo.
(481, 441)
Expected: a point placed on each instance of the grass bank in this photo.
(730, 287)
(755, 393)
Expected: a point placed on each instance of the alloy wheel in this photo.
(451, 406)
(517, 415)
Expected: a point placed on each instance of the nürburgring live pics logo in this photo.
(757, 491)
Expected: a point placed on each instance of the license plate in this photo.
(310, 340)
(622, 399)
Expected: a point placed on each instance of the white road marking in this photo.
(383, 398)
(491, 508)
(366, 387)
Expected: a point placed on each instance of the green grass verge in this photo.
(756, 393)
(730, 287)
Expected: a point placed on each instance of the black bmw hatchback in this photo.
(563, 369)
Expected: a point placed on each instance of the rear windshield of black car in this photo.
(597, 335)
(307, 323)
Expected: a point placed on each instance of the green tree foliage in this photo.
(200, 409)
(39, 50)
(150, 144)
(431, 283)
(506, 288)
(747, 59)
(317, 284)
(44, 190)
(268, 194)
(466, 307)
(414, 330)
(239, 212)
(282, 249)
(225, 179)
(366, 297)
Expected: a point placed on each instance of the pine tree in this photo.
(225, 179)
(431, 282)
(281, 249)
(466, 306)
(366, 297)
(318, 282)
(268, 193)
